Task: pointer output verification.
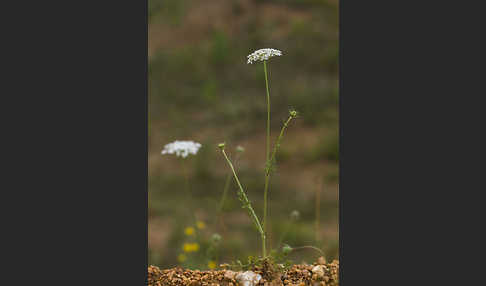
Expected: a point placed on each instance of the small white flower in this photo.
(263, 55)
(181, 148)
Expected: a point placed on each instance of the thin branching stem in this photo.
(225, 190)
(277, 144)
(247, 204)
(268, 110)
(219, 215)
(265, 192)
(268, 171)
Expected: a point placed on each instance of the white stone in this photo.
(248, 278)
(318, 270)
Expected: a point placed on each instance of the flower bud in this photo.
(294, 215)
(216, 238)
(221, 146)
(286, 249)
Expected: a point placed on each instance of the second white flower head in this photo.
(181, 148)
(263, 55)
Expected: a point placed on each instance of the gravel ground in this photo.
(317, 274)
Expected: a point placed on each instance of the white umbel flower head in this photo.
(263, 55)
(181, 148)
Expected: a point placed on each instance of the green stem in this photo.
(247, 204)
(265, 193)
(265, 198)
(268, 110)
(226, 187)
(277, 143)
(268, 171)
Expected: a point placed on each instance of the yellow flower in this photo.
(190, 247)
(211, 264)
(189, 231)
(201, 225)
(187, 247)
(181, 258)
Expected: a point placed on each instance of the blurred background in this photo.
(202, 89)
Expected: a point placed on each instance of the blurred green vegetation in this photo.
(200, 88)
